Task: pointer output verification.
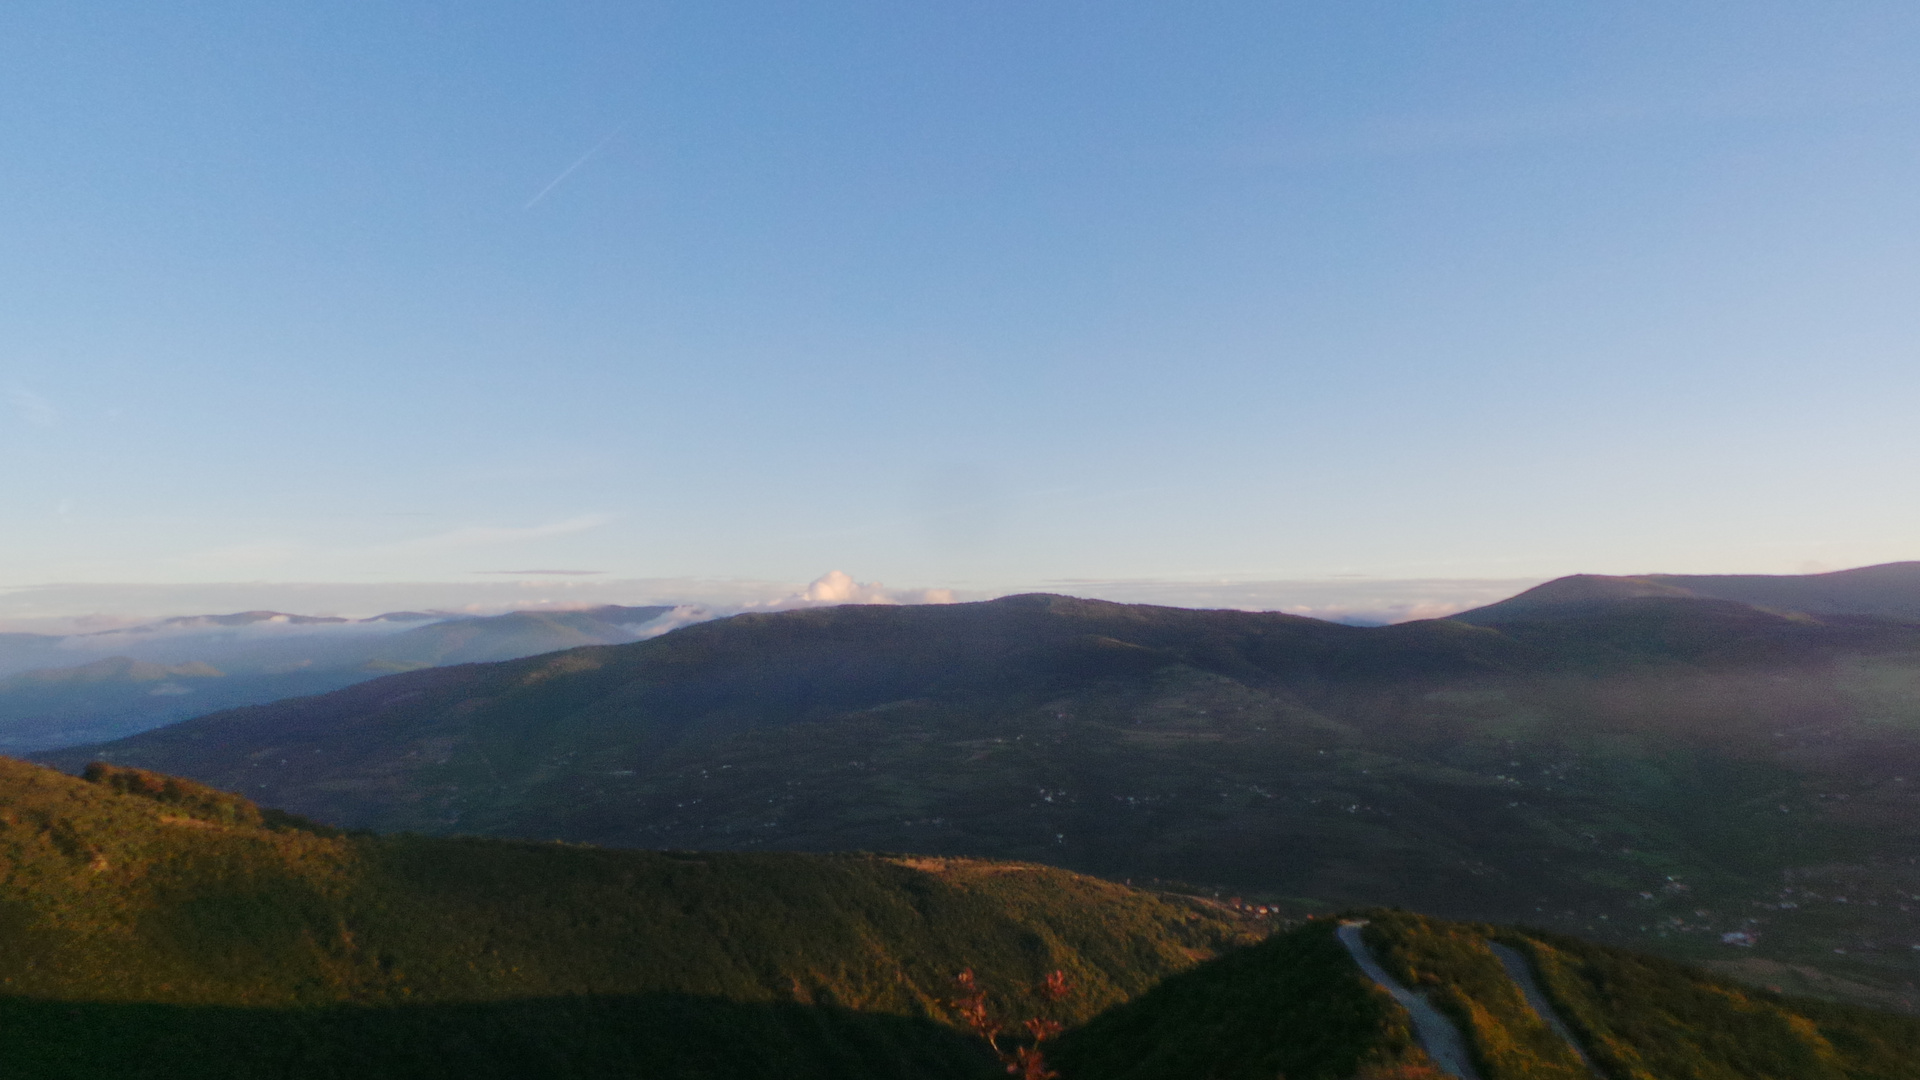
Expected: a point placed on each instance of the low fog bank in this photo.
(68, 609)
(270, 637)
(86, 609)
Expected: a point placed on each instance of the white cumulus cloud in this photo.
(838, 587)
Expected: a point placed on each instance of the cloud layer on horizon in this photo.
(79, 608)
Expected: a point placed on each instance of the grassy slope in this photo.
(146, 928)
(1295, 1006)
(1656, 771)
(153, 927)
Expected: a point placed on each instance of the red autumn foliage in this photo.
(1026, 1062)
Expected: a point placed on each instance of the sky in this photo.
(1162, 299)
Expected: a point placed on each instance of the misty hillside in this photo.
(263, 656)
(188, 666)
(1697, 776)
(1890, 590)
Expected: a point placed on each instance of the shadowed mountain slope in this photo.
(1889, 589)
(152, 926)
(1659, 770)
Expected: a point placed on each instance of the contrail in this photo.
(568, 171)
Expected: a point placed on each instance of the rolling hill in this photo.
(153, 927)
(1696, 776)
(1524, 1005)
(1890, 590)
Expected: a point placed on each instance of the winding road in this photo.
(1437, 1035)
(1521, 973)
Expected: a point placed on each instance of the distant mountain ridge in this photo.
(256, 656)
(1889, 590)
(241, 618)
(113, 669)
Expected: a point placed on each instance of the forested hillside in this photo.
(153, 927)
(1298, 1006)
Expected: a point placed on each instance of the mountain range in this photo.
(1697, 775)
(1891, 590)
(136, 678)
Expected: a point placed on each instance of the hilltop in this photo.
(1697, 776)
(1889, 590)
(152, 926)
(1522, 1005)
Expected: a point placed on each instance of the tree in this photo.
(1024, 1060)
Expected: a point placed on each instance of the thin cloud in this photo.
(32, 408)
(78, 607)
(260, 556)
(1415, 134)
(569, 170)
(490, 535)
(246, 557)
(542, 573)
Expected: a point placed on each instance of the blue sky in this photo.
(970, 295)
